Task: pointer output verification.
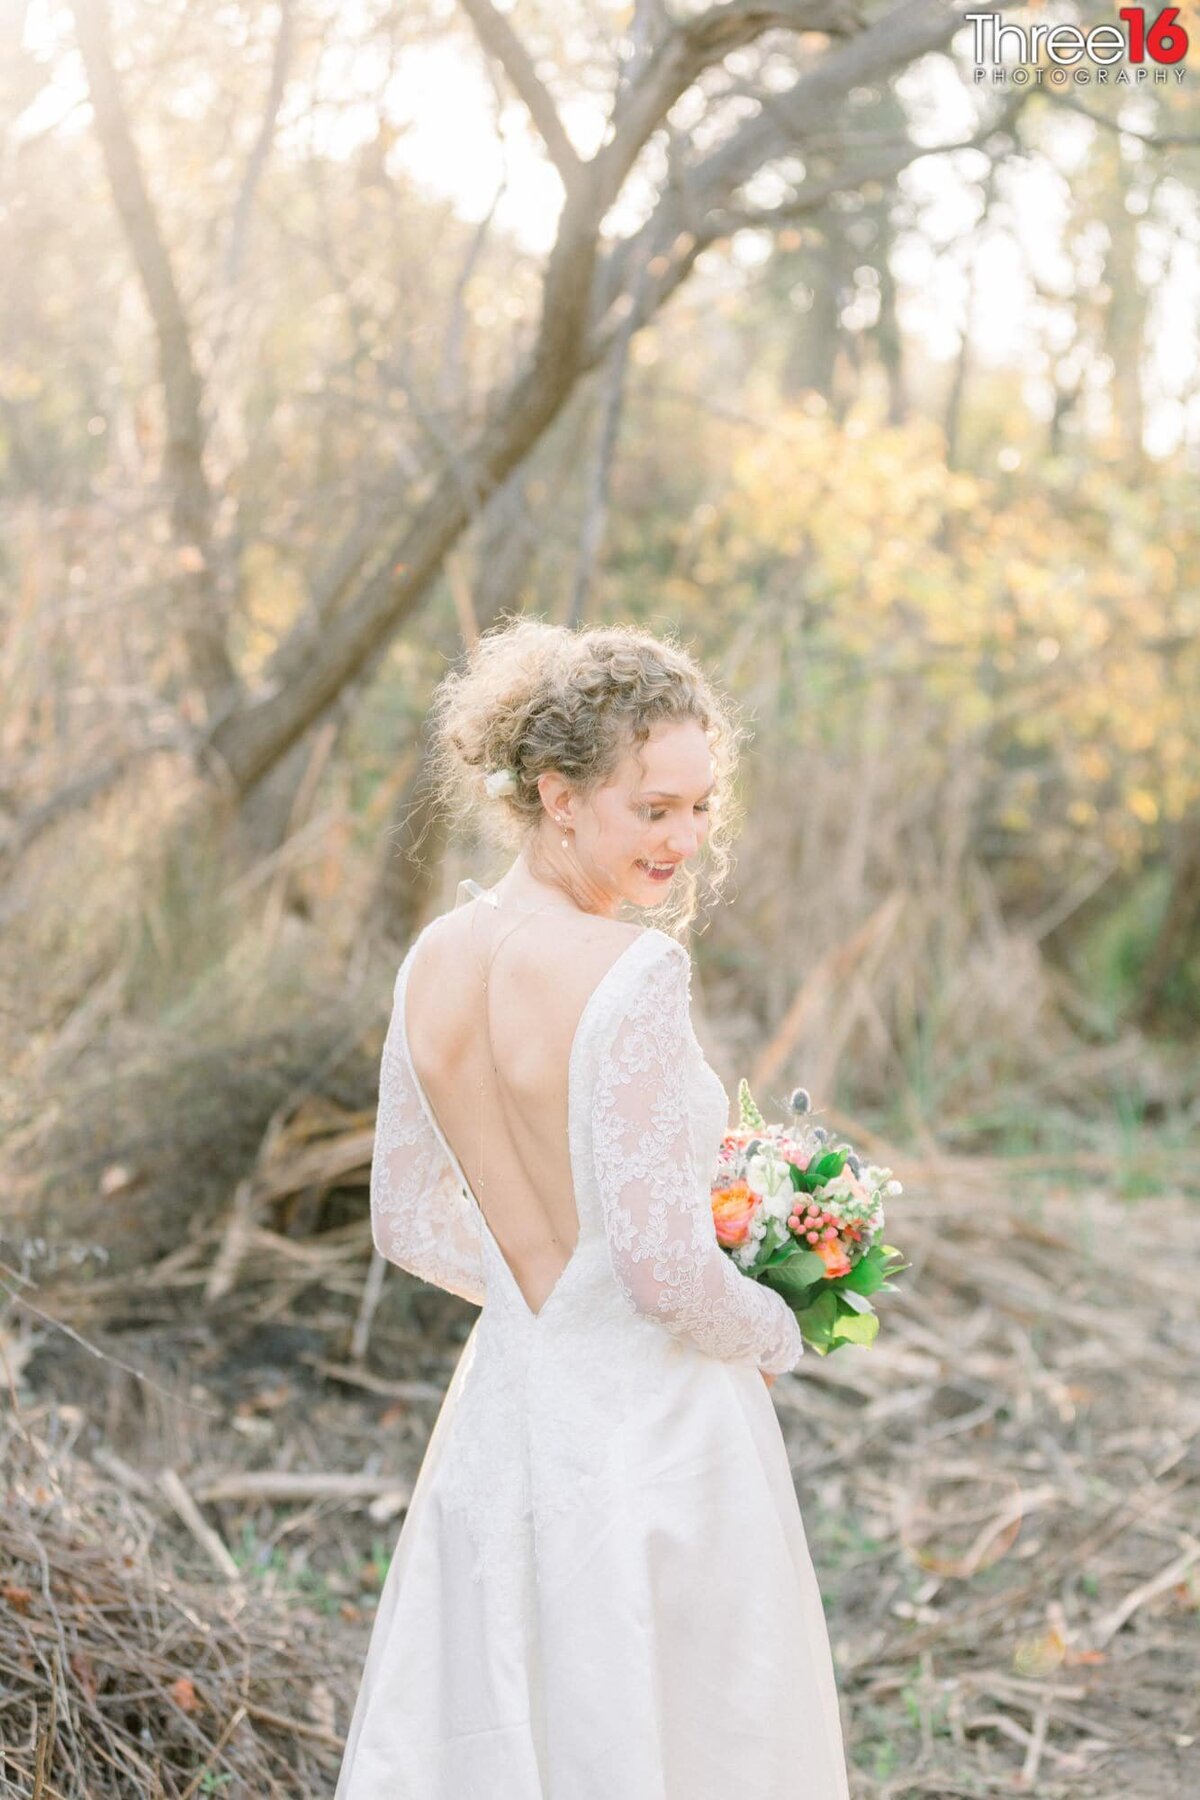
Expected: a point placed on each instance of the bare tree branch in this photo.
(573, 330)
(670, 267)
(807, 110)
(191, 499)
(501, 41)
(450, 375)
(1157, 140)
(963, 362)
(649, 24)
(80, 790)
(679, 59)
(257, 161)
(595, 511)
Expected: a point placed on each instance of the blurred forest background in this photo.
(331, 334)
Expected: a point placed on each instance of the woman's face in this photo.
(633, 834)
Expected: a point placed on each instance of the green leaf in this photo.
(856, 1328)
(827, 1166)
(866, 1277)
(817, 1321)
(793, 1277)
(875, 1257)
(856, 1302)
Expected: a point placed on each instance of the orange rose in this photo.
(733, 1209)
(833, 1256)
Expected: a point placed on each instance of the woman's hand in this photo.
(767, 1378)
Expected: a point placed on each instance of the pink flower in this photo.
(834, 1257)
(733, 1209)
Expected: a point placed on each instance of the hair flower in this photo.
(500, 781)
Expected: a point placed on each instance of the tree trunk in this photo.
(198, 603)
(1125, 314)
(1178, 937)
(888, 338)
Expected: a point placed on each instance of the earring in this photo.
(565, 844)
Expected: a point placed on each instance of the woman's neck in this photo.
(572, 892)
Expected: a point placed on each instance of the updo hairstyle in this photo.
(534, 696)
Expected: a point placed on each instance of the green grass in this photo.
(284, 1572)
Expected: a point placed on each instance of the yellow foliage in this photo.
(1033, 616)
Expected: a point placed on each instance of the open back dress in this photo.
(602, 1588)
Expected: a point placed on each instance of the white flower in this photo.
(756, 1174)
(500, 781)
(839, 1187)
(893, 1187)
(766, 1174)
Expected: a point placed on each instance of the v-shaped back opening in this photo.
(451, 1155)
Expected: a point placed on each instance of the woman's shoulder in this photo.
(624, 961)
(620, 941)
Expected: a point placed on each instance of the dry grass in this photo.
(1005, 1493)
(125, 1676)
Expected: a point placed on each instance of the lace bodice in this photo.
(646, 1116)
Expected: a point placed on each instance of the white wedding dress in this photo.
(602, 1588)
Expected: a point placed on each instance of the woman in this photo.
(602, 1589)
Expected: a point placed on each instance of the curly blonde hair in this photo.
(534, 697)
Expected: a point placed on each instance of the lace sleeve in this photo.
(657, 1213)
(421, 1219)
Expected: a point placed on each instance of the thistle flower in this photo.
(799, 1102)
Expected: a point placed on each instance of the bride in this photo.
(602, 1589)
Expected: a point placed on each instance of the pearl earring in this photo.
(565, 844)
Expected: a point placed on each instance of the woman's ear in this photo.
(555, 793)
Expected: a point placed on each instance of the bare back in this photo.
(494, 1064)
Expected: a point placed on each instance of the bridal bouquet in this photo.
(806, 1219)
